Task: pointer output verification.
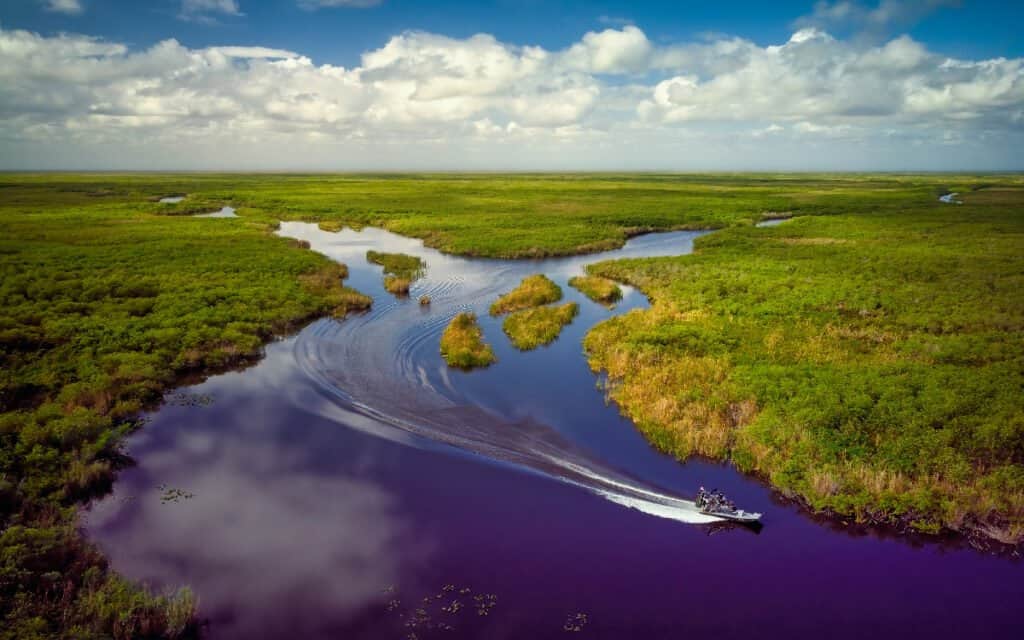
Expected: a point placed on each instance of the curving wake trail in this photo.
(384, 367)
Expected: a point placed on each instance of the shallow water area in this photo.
(171, 199)
(772, 222)
(330, 488)
(225, 212)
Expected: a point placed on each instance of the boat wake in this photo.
(380, 372)
(426, 417)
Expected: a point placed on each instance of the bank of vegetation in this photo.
(870, 365)
(600, 290)
(533, 291)
(462, 343)
(531, 328)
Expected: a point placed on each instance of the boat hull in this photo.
(735, 516)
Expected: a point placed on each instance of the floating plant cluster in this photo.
(173, 494)
(184, 399)
(438, 613)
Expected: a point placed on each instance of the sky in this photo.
(832, 85)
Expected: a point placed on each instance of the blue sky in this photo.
(980, 28)
(588, 83)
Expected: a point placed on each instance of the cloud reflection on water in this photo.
(274, 535)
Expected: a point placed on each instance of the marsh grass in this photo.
(398, 264)
(462, 343)
(533, 291)
(530, 328)
(870, 365)
(400, 270)
(600, 290)
(327, 283)
(397, 285)
(331, 226)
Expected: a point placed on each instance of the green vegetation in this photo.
(870, 364)
(400, 270)
(332, 226)
(325, 283)
(500, 215)
(398, 264)
(462, 343)
(530, 328)
(865, 356)
(397, 285)
(598, 289)
(533, 291)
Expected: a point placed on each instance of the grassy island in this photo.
(598, 289)
(400, 270)
(533, 291)
(462, 344)
(530, 328)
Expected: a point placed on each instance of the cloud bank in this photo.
(614, 99)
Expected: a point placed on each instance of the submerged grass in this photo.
(530, 328)
(533, 291)
(462, 344)
(598, 289)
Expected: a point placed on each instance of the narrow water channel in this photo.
(351, 485)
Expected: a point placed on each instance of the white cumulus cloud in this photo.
(612, 99)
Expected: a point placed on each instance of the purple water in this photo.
(350, 474)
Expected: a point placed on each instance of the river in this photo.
(351, 485)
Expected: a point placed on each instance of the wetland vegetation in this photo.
(462, 343)
(531, 328)
(400, 270)
(865, 357)
(598, 289)
(869, 364)
(533, 291)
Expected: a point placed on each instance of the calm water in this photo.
(350, 485)
(225, 212)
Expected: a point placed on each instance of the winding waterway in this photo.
(351, 485)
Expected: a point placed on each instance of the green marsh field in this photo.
(864, 357)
